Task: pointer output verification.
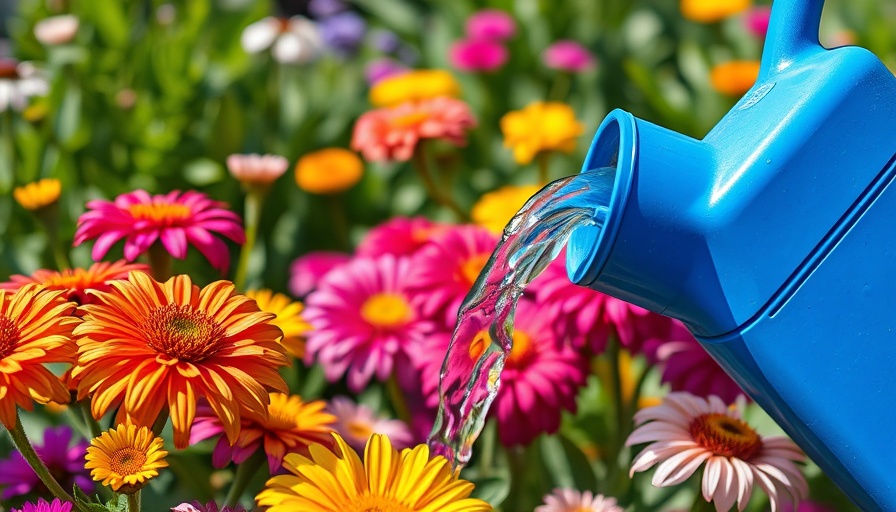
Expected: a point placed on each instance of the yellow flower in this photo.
(418, 85)
(734, 78)
(708, 11)
(387, 481)
(289, 319)
(125, 458)
(495, 209)
(39, 194)
(541, 126)
(327, 171)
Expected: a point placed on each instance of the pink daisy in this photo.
(686, 432)
(364, 321)
(43, 505)
(357, 422)
(477, 55)
(392, 133)
(306, 271)
(493, 24)
(176, 219)
(401, 236)
(571, 500)
(567, 55)
(76, 282)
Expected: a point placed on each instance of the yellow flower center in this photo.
(522, 349)
(281, 415)
(386, 310)
(409, 120)
(470, 269)
(725, 436)
(359, 429)
(9, 336)
(376, 503)
(127, 461)
(160, 213)
(182, 333)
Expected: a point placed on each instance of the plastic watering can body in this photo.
(774, 240)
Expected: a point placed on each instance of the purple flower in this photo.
(325, 8)
(196, 506)
(568, 55)
(477, 55)
(385, 41)
(43, 506)
(491, 24)
(64, 461)
(343, 32)
(381, 69)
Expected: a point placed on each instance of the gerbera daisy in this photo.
(43, 505)
(409, 481)
(76, 282)
(289, 319)
(289, 426)
(571, 500)
(64, 460)
(357, 422)
(401, 236)
(686, 432)
(540, 127)
(211, 506)
(306, 271)
(364, 320)
(39, 194)
(35, 328)
(144, 345)
(125, 458)
(175, 219)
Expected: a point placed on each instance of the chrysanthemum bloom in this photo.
(64, 460)
(708, 11)
(144, 345)
(392, 134)
(541, 126)
(400, 236)
(493, 24)
(495, 209)
(292, 41)
(422, 84)
(289, 319)
(357, 422)
(571, 500)
(290, 425)
(211, 506)
(364, 321)
(76, 282)
(756, 20)
(734, 78)
(387, 480)
(306, 271)
(686, 432)
(125, 458)
(35, 329)
(39, 194)
(257, 170)
(568, 55)
(56, 30)
(327, 171)
(477, 55)
(19, 81)
(43, 505)
(380, 69)
(175, 219)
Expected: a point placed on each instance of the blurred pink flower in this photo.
(357, 422)
(381, 69)
(477, 55)
(56, 30)
(175, 219)
(64, 459)
(571, 500)
(756, 20)
(492, 24)
(806, 506)
(42, 505)
(568, 55)
(211, 506)
(401, 236)
(306, 271)
(255, 169)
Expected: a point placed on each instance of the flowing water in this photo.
(483, 337)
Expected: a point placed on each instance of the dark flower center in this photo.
(183, 333)
(9, 336)
(726, 436)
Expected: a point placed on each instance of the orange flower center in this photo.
(359, 429)
(470, 269)
(9, 336)
(522, 349)
(410, 120)
(376, 503)
(283, 25)
(127, 461)
(182, 333)
(8, 70)
(160, 213)
(281, 417)
(725, 436)
(386, 310)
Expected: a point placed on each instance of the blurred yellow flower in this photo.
(327, 171)
(541, 126)
(495, 209)
(709, 11)
(417, 85)
(289, 319)
(39, 194)
(734, 78)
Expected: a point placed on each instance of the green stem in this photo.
(10, 140)
(134, 502)
(160, 422)
(93, 426)
(421, 163)
(159, 262)
(560, 87)
(252, 216)
(619, 409)
(49, 219)
(338, 220)
(244, 474)
(487, 457)
(396, 396)
(543, 160)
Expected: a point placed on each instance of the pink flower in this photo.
(43, 505)
(568, 55)
(257, 169)
(571, 500)
(56, 30)
(477, 55)
(211, 506)
(806, 506)
(392, 133)
(176, 219)
(401, 236)
(364, 321)
(756, 20)
(686, 432)
(306, 271)
(357, 422)
(380, 69)
(491, 24)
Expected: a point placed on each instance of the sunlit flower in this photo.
(734, 78)
(255, 170)
(76, 282)
(756, 20)
(357, 422)
(392, 134)
(145, 345)
(327, 171)
(387, 480)
(686, 432)
(35, 328)
(478, 55)
(289, 319)
(18, 82)
(64, 460)
(306, 271)
(380, 69)
(38, 194)
(126, 458)
(401, 236)
(495, 209)
(290, 425)
(211, 506)
(493, 24)
(364, 321)
(56, 30)
(343, 32)
(708, 11)
(568, 55)
(571, 500)
(541, 126)
(175, 219)
(422, 84)
(43, 505)
(292, 41)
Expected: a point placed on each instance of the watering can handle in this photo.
(793, 28)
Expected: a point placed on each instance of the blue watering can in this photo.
(774, 240)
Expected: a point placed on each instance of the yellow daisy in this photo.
(39, 194)
(289, 319)
(125, 458)
(387, 482)
(495, 209)
(417, 85)
(540, 126)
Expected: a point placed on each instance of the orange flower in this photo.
(39, 194)
(328, 171)
(35, 328)
(734, 78)
(709, 11)
(289, 319)
(76, 282)
(144, 345)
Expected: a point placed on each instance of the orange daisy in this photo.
(35, 328)
(145, 345)
(76, 281)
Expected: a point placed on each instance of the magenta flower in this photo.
(306, 271)
(64, 460)
(567, 55)
(756, 20)
(400, 236)
(806, 506)
(196, 506)
(43, 506)
(175, 219)
(491, 24)
(477, 55)
(357, 422)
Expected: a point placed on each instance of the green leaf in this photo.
(493, 489)
(84, 502)
(566, 463)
